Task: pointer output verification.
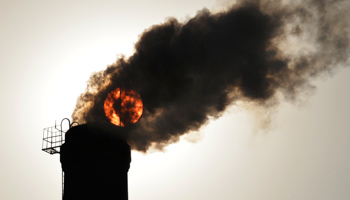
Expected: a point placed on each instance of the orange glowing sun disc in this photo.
(123, 107)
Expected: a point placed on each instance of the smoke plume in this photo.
(187, 72)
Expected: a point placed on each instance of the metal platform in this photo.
(53, 138)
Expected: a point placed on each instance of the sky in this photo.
(50, 48)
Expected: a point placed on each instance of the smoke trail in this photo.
(187, 72)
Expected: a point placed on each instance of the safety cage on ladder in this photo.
(53, 138)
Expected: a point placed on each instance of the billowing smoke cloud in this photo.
(188, 72)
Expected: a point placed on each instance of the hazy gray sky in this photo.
(50, 48)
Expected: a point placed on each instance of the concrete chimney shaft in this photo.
(95, 162)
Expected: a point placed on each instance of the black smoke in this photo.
(187, 72)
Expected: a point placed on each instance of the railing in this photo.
(53, 139)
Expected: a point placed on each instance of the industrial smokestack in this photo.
(95, 160)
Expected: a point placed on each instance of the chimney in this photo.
(95, 162)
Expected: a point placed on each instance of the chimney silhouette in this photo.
(95, 160)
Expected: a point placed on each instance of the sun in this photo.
(123, 106)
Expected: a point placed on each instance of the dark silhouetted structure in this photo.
(95, 161)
